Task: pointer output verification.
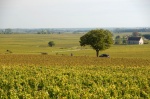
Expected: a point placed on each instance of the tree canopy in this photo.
(51, 43)
(136, 34)
(147, 36)
(98, 39)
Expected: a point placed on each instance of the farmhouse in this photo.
(135, 40)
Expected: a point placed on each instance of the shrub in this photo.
(51, 43)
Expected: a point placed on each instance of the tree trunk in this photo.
(97, 53)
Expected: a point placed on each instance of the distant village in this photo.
(134, 38)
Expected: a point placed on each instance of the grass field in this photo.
(27, 74)
(36, 43)
(65, 44)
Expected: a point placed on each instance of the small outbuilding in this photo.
(135, 40)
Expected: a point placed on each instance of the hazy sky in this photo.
(74, 13)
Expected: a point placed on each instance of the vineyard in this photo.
(49, 60)
(70, 77)
(27, 73)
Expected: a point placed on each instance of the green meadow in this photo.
(64, 45)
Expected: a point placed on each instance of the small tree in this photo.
(118, 40)
(124, 40)
(136, 34)
(51, 43)
(98, 39)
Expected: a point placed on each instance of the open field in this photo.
(27, 74)
(49, 60)
(36, 43)
(65, 44)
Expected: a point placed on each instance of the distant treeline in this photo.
(45, 30)
(122, 30)
(69, 30)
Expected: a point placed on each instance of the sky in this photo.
(74, 13)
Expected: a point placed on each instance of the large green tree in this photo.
(98, 39)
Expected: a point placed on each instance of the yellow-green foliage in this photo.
(57, 77)
(80, 82)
